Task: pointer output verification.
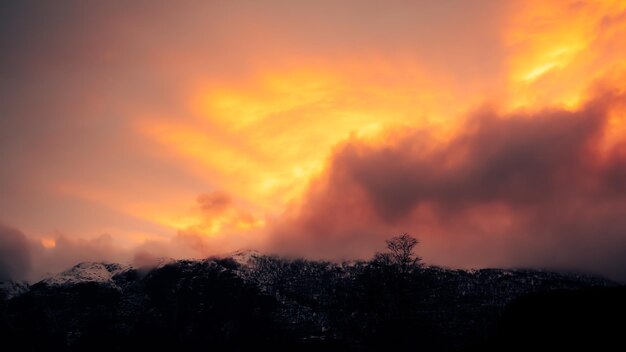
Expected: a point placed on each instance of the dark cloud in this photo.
(517, 159)
(15, 256)
(515, 190)
(214, 202)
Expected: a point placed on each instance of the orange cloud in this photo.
(266, 138)
(558, 48)
(262, 140)
(211, 126)
(522, 189)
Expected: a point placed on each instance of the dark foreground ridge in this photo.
(251, 301)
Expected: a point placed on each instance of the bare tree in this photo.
(401, 253)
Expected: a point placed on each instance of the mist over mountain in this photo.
(255, 301)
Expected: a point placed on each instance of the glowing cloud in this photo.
(207, 127)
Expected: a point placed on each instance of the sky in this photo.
(493, 131)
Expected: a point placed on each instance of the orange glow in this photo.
(559, 47)
(263, 138)
(253, 106)
(615, 131)
(48, 243)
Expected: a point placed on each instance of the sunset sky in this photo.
(494, 131)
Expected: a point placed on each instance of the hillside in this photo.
(251, 300)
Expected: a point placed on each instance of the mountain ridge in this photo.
(264, 299)
(103, 272)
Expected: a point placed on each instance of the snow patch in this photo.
(245, 257)
(101, 273)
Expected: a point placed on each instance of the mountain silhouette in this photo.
(250, 301)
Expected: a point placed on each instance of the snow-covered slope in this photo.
(245, 257)
(87, 272)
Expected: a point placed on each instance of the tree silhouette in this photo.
(401, 254)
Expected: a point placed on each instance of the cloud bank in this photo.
(15, 254)
(525, 189)
(522, 189)
(187, 129)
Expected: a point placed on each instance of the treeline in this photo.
(268, 302)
